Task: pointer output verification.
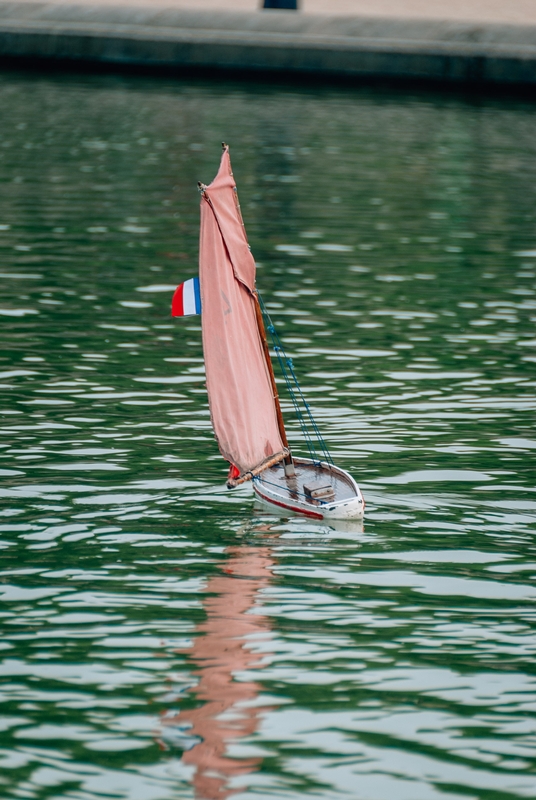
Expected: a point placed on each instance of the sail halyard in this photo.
(244, 406)
(289, 463)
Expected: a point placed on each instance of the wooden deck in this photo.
(292, 489)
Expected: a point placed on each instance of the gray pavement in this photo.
(402, 39)
(510, 12)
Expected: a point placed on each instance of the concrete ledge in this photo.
(270, 41)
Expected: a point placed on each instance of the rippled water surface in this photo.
(163, 638)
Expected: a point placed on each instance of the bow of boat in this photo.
(309, 493)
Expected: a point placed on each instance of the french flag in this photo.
(187, 299)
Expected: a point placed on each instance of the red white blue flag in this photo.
(187, 299)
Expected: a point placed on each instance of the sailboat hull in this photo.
(290, 495)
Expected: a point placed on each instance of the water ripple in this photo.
(164, 638)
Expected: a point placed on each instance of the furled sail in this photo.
(240, 391)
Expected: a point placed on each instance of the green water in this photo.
(163, 638)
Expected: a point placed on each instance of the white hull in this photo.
(272, 487)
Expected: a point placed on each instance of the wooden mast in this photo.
(289, 463)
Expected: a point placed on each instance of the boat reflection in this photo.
(300, 527)
(230, 708)
(226, 644)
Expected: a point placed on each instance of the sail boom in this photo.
(232, 483)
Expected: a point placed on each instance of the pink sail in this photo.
(240, 393)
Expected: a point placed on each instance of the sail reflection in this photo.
(229, 709)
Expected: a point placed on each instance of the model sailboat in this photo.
(243, 398)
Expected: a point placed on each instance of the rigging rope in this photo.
(309, 428)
